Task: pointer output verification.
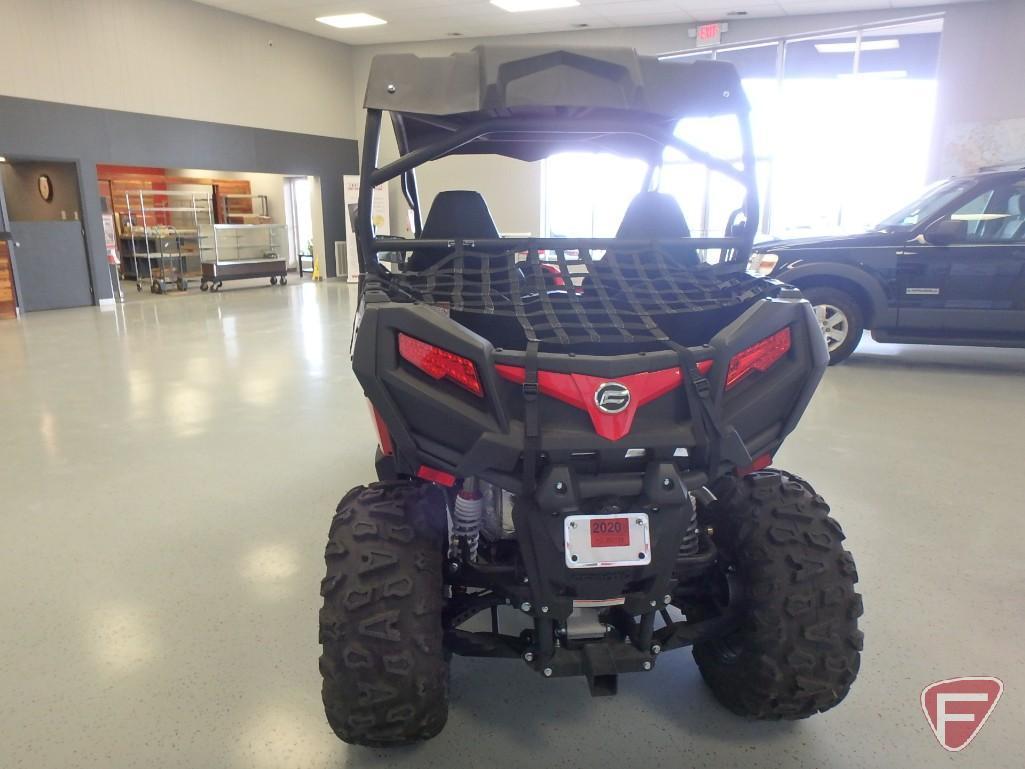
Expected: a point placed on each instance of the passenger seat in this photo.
(1013, 227)
(654, 216)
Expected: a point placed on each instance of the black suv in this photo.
(947, 269)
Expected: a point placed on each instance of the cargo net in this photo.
(575, 296)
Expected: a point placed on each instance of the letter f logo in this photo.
(958, 707)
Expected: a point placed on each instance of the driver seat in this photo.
(454, 215)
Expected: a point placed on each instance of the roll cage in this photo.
(543, 127)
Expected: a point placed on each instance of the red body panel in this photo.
(578, 390)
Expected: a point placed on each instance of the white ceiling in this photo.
(436, 19)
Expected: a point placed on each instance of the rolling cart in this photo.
(244, 251)
(163, 227)
(167, 265)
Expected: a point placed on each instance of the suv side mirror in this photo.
(944, 232)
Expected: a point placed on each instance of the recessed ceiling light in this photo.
(736, 13)
(3, 159)
(866, 45)
(517, 6)
(351, 20)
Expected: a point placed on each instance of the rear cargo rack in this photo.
(566, 292)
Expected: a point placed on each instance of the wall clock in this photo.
(45, 188)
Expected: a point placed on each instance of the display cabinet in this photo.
(242, 251)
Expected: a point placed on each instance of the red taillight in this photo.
(441, 364)
(383, 436)
(758, 357)
(434, 475)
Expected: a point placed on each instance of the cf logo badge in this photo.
(612, 397)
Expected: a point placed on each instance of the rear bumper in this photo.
(438, 425)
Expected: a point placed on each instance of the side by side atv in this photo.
(577, 430)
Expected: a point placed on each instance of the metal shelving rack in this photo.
(162, 245)
(259, 204)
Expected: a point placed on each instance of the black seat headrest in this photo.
(656, 216)
(461, 214)
(653, 215)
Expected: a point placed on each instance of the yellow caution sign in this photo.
(316, 268)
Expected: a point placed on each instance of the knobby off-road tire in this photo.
(797, 650)
(384, 669)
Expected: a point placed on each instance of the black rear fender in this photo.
(436, 423)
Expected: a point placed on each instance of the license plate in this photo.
(603, 541)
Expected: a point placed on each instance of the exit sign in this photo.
(708, 34)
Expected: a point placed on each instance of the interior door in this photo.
(974, 285)
(50, 262)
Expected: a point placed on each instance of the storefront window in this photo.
(841, 127)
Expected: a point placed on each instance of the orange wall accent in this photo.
(7, 303)
(107, 171)
(124, 179)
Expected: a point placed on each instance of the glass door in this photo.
(855, 115)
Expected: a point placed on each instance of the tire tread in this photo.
(385, 677)
(799, 641)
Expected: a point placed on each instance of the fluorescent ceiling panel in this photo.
(351, 20)
(518, 6)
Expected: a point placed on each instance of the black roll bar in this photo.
(404, 165)
(386, 243)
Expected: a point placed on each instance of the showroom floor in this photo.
(168, 470)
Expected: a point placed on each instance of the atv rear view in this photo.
(575, 430)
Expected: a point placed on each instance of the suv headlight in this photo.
(762, 264)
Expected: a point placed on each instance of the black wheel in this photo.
(183, 284)
(138, 287)
(274, 280)
(284, 280)
(203, 285)
(383, 663)
(797, 649)
(840, 318)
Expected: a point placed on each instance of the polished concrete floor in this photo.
(168, 469)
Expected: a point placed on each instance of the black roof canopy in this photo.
(607, 93)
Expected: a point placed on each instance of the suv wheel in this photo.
(840, 319)
(384, 667)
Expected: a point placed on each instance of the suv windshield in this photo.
(926, 206)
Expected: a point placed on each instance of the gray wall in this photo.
(980, 103)
(45, 130)
(21, 189)
(177, 59)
